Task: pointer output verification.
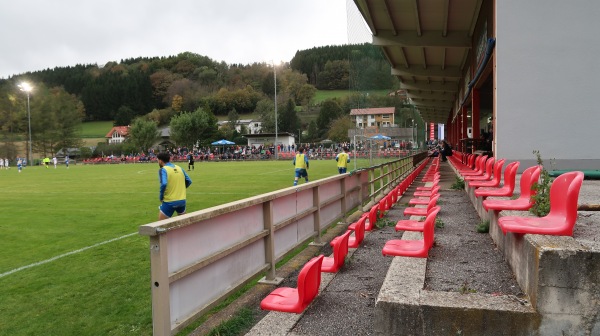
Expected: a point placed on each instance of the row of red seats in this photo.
(485, 177)
(423, 196)
(295, 300)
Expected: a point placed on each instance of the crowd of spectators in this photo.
(241, 152)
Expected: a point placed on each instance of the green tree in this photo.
(288, 120)
(190, 128)
(335, 76)
(124, 116)
(312, 132)
(85, 152)
(55, 119)
(306, 94)
(143, 134)
(266, 114)
(339, 129)
(330, 110)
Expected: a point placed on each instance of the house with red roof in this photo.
(117, 134)
(373, 117)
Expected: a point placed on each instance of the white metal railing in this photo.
(200, 258)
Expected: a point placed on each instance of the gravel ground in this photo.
(463, 259)
(346, 307)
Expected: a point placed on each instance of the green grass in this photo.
(323, 95)
(102, 290)
(95, 129)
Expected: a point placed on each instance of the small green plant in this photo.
(465, 289)
(383, 222)
(484, 227)
(541, 199)
(439, 223)
(459, 184)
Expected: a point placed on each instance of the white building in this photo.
(253, 126)
(268, 139)
(373, 117)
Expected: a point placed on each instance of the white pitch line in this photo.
(64, 255)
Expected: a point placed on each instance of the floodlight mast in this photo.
(25, 87)
(275, 85)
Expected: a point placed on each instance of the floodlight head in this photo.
(25, 87)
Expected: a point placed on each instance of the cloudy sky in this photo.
(40, 34)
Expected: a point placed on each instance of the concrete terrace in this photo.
(466, 286)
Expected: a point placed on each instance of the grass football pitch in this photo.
(72, 262)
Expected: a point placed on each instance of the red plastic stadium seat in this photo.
(422, 211)
(359, 233)
(435, 182)
(564, 193)
(495, 181)
(295, 300)
(487, 174)
(340, 250)
(419, 201)
(372, 218)
(414, 225)
(524, 202)
(413, 248)
(479, 167)
(507, 189)
(433, 191)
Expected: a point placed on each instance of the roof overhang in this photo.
(427, 44)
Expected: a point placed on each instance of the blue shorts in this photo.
(168, 208)
(300, 172)
(342, 170)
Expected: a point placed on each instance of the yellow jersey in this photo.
(342, 160)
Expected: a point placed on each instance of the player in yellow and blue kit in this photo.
(342, 161)
(173, 183)
(301, 164)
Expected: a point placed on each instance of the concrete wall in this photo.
(560, 274)
(546, 81)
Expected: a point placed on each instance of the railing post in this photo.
(270, 259)
(372, 182)
(159, 275)
(317, 216)
(343, 200)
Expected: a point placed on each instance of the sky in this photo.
(40, 34)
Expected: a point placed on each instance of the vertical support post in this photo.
(317, 215)
(475, 113)
(343, 200)
(372, 182)
(159, 275)
(270, 240)
(381, 179)
(464, 126)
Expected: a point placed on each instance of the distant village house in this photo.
(117, 134)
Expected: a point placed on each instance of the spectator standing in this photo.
(190, 161)
(173, 184)
(342, 160)
(301, 163)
